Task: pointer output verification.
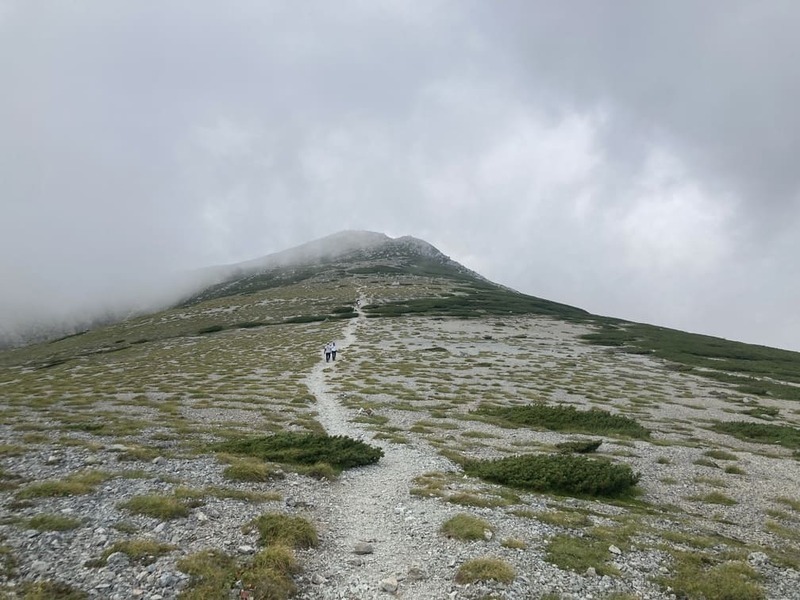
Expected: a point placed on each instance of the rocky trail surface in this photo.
(376, 537)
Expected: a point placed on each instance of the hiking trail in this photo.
(370, 508)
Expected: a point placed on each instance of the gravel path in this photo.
(371, 525)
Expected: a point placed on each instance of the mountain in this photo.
(468, 441)
(338, 255)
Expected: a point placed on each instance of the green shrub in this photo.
(561, 474)
(567, 418)
(210, 329)
(154, 505)
(762, 412)
(763, 433)
(286, 530)
(340, 452)
(466, 527)
(305, 319)
(579, 446)
(485, 569)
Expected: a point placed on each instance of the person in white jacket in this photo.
(327, 350)
(333, 350)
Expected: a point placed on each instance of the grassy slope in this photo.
(156, 374)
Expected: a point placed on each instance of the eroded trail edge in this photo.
(376, 539)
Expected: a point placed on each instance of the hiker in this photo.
(333, 350)
(327, 351)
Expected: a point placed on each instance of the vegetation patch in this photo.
(731, 362)
(762, 433)
(514, 544)
(720, 455)
(341, 452)
(84, 482)
(214, 574)
(567, 474)
(142, 551)
(196, 495)
(251, 470)
(157, 506)
(714, 498)
(286, 530)
(567, 418)
(485, 569)
(579, 446)
(51, 522)
(699, 576)
(47, 590)
(568, 519)
(477, 299)
(579, 553)
(465, 527)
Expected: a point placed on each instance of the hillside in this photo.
(186, 453)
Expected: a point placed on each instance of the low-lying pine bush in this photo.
(559, 473)
(341, 452)
(579, 446)
(567, 418)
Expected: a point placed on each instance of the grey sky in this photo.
(636, 159)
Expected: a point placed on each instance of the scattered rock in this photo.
(117, 560)
(363, 548)
(390, 585)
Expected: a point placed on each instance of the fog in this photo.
(633, 159)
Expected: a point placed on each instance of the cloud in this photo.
(633, 159)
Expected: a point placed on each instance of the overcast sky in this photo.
(636, 159)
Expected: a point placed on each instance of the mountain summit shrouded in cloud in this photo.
(135, 298)
(631, 158)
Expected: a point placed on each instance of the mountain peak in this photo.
(345, 251)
